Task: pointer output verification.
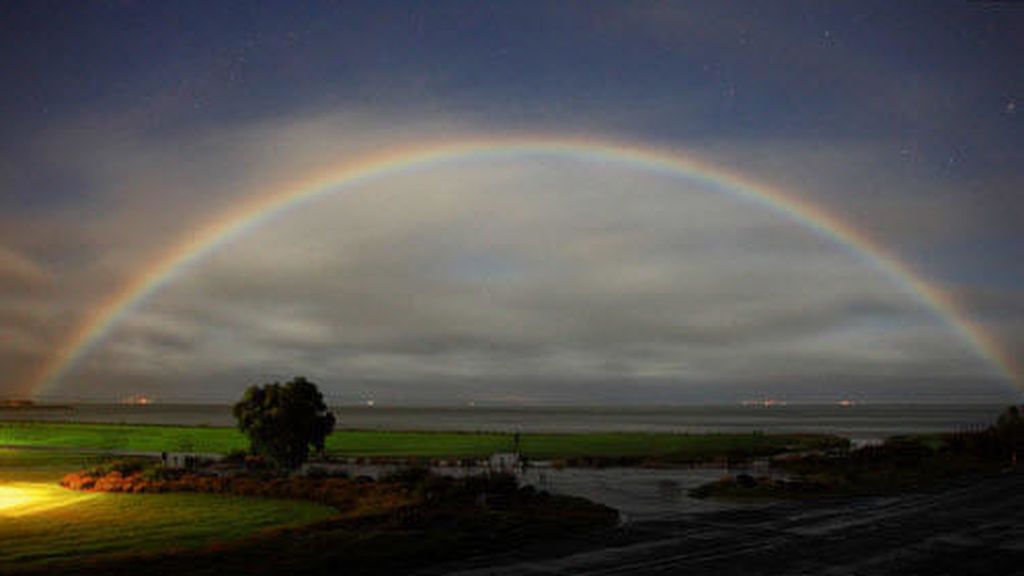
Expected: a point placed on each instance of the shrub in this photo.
(746, 481)
(159, 473)
(411, 476)
(237, 457)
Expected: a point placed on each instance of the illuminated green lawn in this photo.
(412, 444)
(121, 437)
(40, 522)
(681, 447)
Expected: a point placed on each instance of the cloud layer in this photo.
(527, 280)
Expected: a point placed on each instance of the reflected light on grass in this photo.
(23, 498)
(12, 498)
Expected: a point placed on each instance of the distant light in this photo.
(136, 400)
(765, 403)
(369, 403)
(847, 402)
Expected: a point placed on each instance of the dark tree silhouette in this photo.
(1010, 420)
(1009, 429)
(284, 420)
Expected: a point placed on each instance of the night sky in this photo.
(128, 126)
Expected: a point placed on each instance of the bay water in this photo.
(860, 422)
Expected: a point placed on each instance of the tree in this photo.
(1011, 419)
(284, 420)
(1009, 430)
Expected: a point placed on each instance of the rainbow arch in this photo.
(92, 329)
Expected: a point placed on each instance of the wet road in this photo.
(969, 528)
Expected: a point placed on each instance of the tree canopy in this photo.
(284, 420)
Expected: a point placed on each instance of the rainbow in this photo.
(201, 242)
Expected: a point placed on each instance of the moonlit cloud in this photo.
(525, 279)
(518, 270)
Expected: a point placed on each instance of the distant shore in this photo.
(29, 405)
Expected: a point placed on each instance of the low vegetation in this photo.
(899, 464)
(137, 476)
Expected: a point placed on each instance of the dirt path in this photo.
(969, 528)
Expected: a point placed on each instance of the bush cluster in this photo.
(1003, 440)
(341, 493)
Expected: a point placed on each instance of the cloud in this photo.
(18, 271)
(523, 274)
(522, 271)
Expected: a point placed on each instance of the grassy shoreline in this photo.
(574, 448)
(900, 464)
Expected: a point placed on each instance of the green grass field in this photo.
(679, 447)
(42, 523)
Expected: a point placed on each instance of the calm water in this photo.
(860, 422)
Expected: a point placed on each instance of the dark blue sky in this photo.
(939, 75)
(902, 118)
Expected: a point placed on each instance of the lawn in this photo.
(676, 447)
(673, 447)
(122, 437)
(42, 523)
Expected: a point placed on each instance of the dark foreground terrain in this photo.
(968, 527)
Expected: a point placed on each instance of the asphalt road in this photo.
(973, 527)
